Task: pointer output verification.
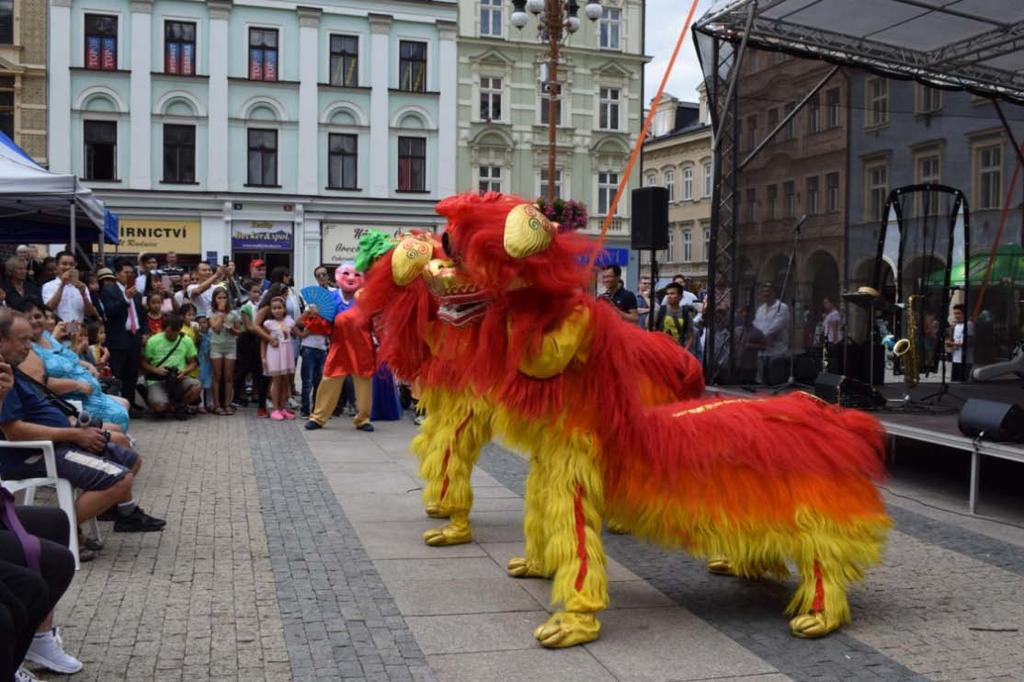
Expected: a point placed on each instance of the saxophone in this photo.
(906, 349)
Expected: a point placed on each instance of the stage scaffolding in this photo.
(971, 46)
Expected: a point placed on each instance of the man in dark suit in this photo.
(125, 315)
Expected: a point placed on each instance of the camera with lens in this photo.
(171, 373)
(86, 421)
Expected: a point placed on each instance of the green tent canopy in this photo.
(1008, 268)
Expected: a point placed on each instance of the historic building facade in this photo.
(677, 155)
(279, 130)
(23, 75)
(503, 107)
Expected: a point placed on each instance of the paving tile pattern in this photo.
(340, 622)
(196, 601)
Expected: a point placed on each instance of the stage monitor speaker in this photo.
(649, 223)
(842, 390)
(996, 421)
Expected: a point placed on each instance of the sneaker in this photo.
(351, 411)
(23, 675)
(138, 522)
(47, 650)
(293, 403)
(366, 426)
(288, 414)
(312, 425)
(262, 412)
(418, 420)
(278, 416)
(304, 414)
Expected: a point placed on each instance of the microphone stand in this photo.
(791, 381)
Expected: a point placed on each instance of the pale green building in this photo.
(502, 108)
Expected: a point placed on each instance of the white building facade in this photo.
(248, 128)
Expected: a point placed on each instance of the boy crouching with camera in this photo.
(166, 360)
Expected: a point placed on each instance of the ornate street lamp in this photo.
(557, 20)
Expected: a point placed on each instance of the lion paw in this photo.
(721, 566)
(436, 511)
(521, 567)
(565, 629)
(448, 535)
(813, 625)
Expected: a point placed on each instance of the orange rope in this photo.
(995, 244)
(643, 134)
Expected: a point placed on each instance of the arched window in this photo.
(670, 183)
(687, 246)
(688, 183)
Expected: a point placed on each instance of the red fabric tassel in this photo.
(819, 590)
(581, 537)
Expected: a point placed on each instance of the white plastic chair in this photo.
(65, 493)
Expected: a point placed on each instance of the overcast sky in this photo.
(664, 22)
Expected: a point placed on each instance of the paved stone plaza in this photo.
(294, 555)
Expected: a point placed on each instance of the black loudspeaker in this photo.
(997, 421)
(842, 390)
(649, 226)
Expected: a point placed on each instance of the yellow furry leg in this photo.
(534, 530)
(457, 532)
(820, 601)
(573, 519)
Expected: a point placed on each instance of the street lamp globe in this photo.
(535, 6)
(520, 19)
(572, 24)
(593, 10)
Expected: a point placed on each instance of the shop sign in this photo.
(159, 236)
(261, 235)
(340, 242)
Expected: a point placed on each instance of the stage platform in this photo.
(932, 421)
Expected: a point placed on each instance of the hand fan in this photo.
(326, 302)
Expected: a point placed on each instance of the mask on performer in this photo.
(348, 280)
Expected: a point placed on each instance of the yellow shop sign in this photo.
(159, 236)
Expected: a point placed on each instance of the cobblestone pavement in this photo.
(296, 555)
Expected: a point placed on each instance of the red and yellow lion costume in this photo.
(762, 482)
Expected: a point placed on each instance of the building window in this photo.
(707, 243)
(751, 204)
(989, 181)
(752, 131)
(100, 42)
(929, 171)
(180, 48)
(670, 184)
(669, 254)
(179, 153)
(706, 168)
(544, 183)
(832, 187)
(651, 180)
(345, 61)
(490, 179)
(262, 157)
(100, 150)
(610, 28)
(688, 183)
(789, 194)
(687, 246)
(814, 114)
(263, 54)
(878, 101)
(834, 113)
(490, 99)
(7, 106)
(790, 130)
(412, 164)
(926, 100)
(773, 120)
(607, 186)
(773, 201)
(812, 195)
(876, 176)
(609, 114)
(490, 18)
(342, 161)
(545, 98)
(7, 22)
(412, 66)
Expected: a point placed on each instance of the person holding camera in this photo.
(167, 359)
(66, 295)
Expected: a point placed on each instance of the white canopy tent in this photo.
(37, 205)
